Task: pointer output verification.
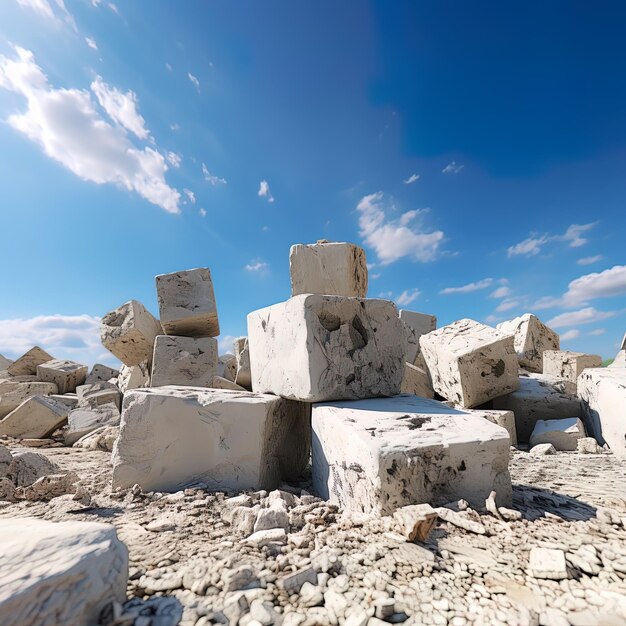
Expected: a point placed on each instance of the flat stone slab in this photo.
(563, 434)
(568, 365)
(13, 394)
(234, 440)
(66, 374)
(36, 418)
(183, 361)
(28, 362)
(59, 572)
(381, 454)
(416, 325)
(316, 348)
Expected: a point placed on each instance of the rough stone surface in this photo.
(217, 382)
(26, 467)
(543, 449)
(588, 445)
(470, 363)
(183, 361)
(504, 419)
(96, 394)
(134, 377)
(603, 395)
(242, 360)
(381, 454)
(173, 436)
(101, 372)
(547, 563)
(59, 572)
(66, 374)
(532, 337)
(102, 438)
(568, 365)
(13, 394)
(36, 418)
(563, 434)
(333, 268)
(187, 303)
(69, 399)
(315, 348)
(227, 367)
(416, 381)
(28, 362)
(83, 421)
(416, 325)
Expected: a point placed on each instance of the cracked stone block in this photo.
(603, 395)
(378, 455)
(28, 362)
(532, 337)
(470, 363)
(416, 325)
(36, 418)
(563, 434)
(328, 268)
(129, 331)
(314, 348)
(539, 397)
(184, 361)
(101, 372)
(81, 422)
(134, 377)
(417, 382)
(171, 437)
(59, 572)
(568, 365)
(187, 303)
(242, 360)
(97, 394)
(66, 374)
(13, 394)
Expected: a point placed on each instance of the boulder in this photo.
(13, 394)
(563, 434)
(99, 393)
(183, 361)
(416, 382)
(66, 374)
(230, 440)
(134, 377)
(470, 363)
(378, 455)
(416, 325)
(543, 449)
(28, 362)
(328, 268)
(26, 467)
(36, 418)
(100, 373)
(568, 365)
(187, 303)
(83, 421)
(59, 572)
(242, 360)
(315, 348)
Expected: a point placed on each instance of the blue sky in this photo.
(476, 151)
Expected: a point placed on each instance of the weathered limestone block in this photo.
(83, 421)
(470, 363)
(504, 419)
(101, 372)
(532, 338)
(27, 467)
(36, 418)
(28, 362)
(417, 382)
(416, 325)
(603, 395)
(218, 382)
(129, 332)
(134, 377)
(381, 454)
(99, 393)
(328, 268)
(13, 394)
(539, 397)
(315, 348)
(183, 361)
(563, 434)
(102, 438)
(173, 436)
(568, 365)
(242, 360)
(66, 374)
(59, 572)
(227, 367)
(187, 303)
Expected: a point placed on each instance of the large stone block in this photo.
(381, 454)
(328, 268)
(603, 395)
(28, 362)
(129, 332)
(242, 360)
(187, 303)
(233, 440)
(416, 382)
(568, 365)
(183, 361)
(563, 434)
(59, 572)
(539, 397)
(100, 373)
(36, 418)
(66, 374)
(13, 394)
(95, 395)
(470, 363)
(134, 377)
(81, 422)
(315, 348)
(416, 325)
(532, 337)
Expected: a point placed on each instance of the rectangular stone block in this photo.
(134, 377)
(242, 360)
(95, 395)
(230, 440)
(328, 268)
(101, 372)
(416, 325)
(603, 394)
(416, 382)
(13, 394)
(315, 348)
(378, 455)
(187, 303)
(183, 361)
(504, 419)
(28, 362)
(129, 331)
(532, 337)
(36, 418)
(568, 365)
(66, 374)
(81, 422)
(470, 363)
(563, 434)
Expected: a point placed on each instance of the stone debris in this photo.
(547, 563)
(416, 521)
(36, 418)
(568, 365)
(563, 434)
(28, 362)
(183, 361)
(217, 382)
(543, 449)
(588, 445)
(102, 438)
(51, 486)
(26, 467)
(94, 395)
(67, 375)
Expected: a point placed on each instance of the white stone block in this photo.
(416, 325)
(504, 419)
(416, 382)
(183, 361)
(129, 332)
(81, 422)
(187, 303)
(470, 363)
(230, 440)
(381, 454)
(36, 418)
(328, 268)
(13, 394)
(134, 377)
(532, 338)
(242, 360)
(95, 395)
(568, 365)
(563, 434)
(101, 372)
(66, 374)
(547, 563)
(28, 362)
(603, 395)
(59, 572)
(539, 397)
(315, 348)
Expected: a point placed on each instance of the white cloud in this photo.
(529, 247)
(202, 212)
(264, 191)
(590, 260)
(114, 8)
(407, 296)
(533, 244)
(225, 344)
(211, 178)
(394, 239)
(387, 295)
(91, 43)
(256, 265)
(610, 282)
(194, 80)
(570, 334)
(190, 194)
(452, 168)
(491, 319)
(174, 127)
(574, 232)
(174, 158)
(481, 284)
(507, 305)
(597, 332)
(583, 316)
(374, 276)
(500, 292)
(411, 179)
(547, 302)
(168, 67)
(44, 9)
(69, 129)
(265, 229)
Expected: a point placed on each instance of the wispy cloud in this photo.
(452, 168)
(194, 80)
(508, 304)
(91, 43)
(225, 343)
(264, 191)
(610, 282)
(202, 212)
(597, 332)
(174, 158)
(529, 247)
(256, 265)
(574, 232)
(501, 292)
(570, 334)
(44, 9)
(590, 260)
(190, 194)
(411, 179)
(534, 243)
(211, 178)
(168, 67)
(582, 316)
(407, 296)
(469, 288)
